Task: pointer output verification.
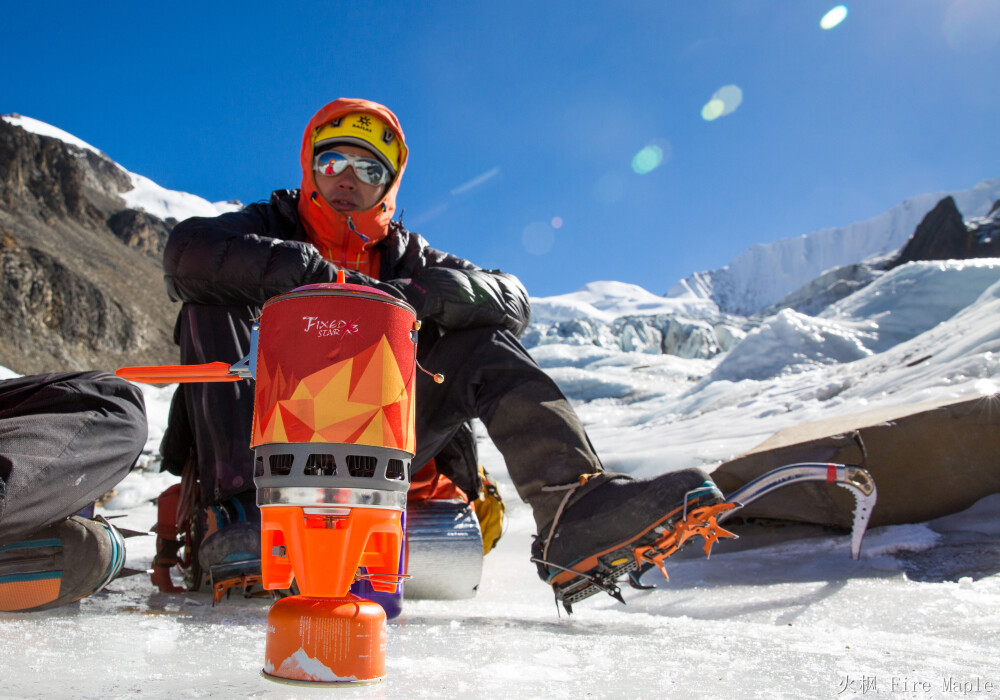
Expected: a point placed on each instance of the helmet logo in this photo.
(364, 122)
(387, 136)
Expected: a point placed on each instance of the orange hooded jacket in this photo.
(347, 239)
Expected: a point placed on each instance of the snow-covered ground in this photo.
(917, 616)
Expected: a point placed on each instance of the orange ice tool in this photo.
(170, 374)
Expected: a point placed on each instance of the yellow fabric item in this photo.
(369, 130)
(490, 510)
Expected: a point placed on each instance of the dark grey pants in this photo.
(488, 375)
(65, 440)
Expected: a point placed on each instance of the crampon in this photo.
(248, 582)
(650, 548)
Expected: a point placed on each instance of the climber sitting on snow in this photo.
(224, 268)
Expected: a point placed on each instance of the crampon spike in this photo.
(126, 572)
(699, 522)
(635, 559)
(221, 589)
(635, 577)
(126, 533)
(652, 547)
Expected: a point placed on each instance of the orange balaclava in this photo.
(347, 239)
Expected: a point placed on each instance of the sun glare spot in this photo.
(557, 222)
(731, 96)
(725, 101)
(538, 238)
(712, 110)
(986, 387)
(648, 159)
(834, 17)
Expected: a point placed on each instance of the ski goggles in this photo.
(368, 170)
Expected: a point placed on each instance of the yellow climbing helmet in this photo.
(360, 129)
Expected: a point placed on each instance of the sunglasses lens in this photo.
(330, 163)
(369, 171)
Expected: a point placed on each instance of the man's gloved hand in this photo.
(468, 298)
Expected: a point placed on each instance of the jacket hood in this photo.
(345, 238)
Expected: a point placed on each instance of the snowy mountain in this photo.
(628, 318)
(144, 195)
(767, 272)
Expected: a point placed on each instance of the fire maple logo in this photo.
(329, 329)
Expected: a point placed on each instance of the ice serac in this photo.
(766, 273)
(830, 287)
(661, 334)
(791, 342)
(628, 318)
(898, 306)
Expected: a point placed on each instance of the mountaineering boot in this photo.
(59, 564)
(229, 553)
(593, 541)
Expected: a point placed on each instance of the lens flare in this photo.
(557, 222)
(834, 17)
(712, 110)
(647, 160)
(538, 238)
(725, 101)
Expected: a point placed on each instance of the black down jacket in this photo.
(247, 257)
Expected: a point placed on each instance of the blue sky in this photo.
(524, 118)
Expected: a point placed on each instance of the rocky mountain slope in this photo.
(81, 280)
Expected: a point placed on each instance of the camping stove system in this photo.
(333, 437)
(333, 434)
